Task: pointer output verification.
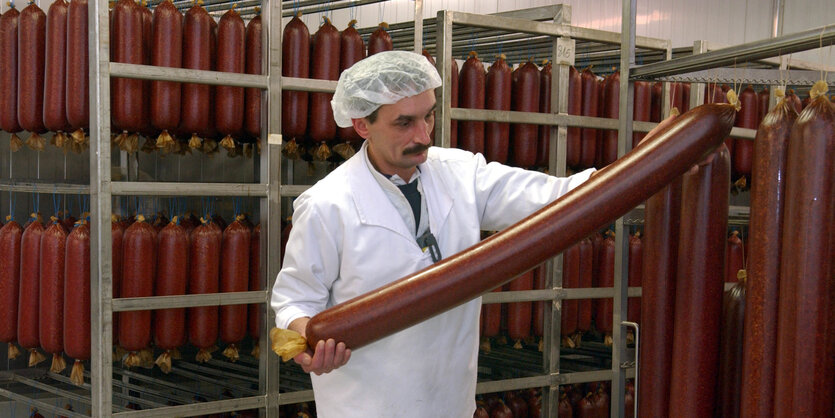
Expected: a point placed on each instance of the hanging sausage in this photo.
(324, 65)
(471, 85)
(166, 51)
(525, 99)
(78, 76)
(55, 88)
(295, 62)
(31, 44)
(497, 134)
(8, 76)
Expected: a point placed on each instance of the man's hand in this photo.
(327, 357)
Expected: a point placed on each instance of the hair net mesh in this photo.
(383, 78)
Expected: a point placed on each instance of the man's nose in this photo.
(422, 134)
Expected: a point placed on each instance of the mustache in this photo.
(415, 150)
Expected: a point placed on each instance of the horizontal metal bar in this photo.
(215, 372)
(553, 294)
(150, 72)
(756, 76)
(290, 11)
(596, 293)
(512, 384)
(51, 389)
(300, 396)
(581, 377)
(207, 379)
(33, 187)
(765, 48)
(41, 406)
(139, 188)
(614, 38)
(154, 381)
(308, 84)
(509, 24)
(293, 190)
(743, 133)
(535, 118)
(188, 301)
(85, 385)
(202, 408)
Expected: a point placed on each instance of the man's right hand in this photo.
(327, 357)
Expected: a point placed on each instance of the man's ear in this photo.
(361, 126)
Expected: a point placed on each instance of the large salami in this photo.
(78, 77)
(252, 96)
(471, 82)
(138, 271)
(496, 134)
(8, 75)
(10, 235)
(195, 104)
(229, 101)
(55, 87)
(204, 259)
(77, 299)
(127, 106)
(588, 141)
(171, 279)
(234, 277)
(525, 99)
(295, 62)
(351, 50)
(166, 51)
(30, 272)
(380, 40)
(51, 294)
(254, 313)
(324, 65)
(31, 44)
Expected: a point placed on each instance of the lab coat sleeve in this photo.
(311, 265)
(506, 195)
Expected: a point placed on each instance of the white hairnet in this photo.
(383, 78)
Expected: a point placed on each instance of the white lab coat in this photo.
(348, 239)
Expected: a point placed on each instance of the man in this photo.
(376, 219)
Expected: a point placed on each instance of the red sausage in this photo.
(655, 102)
(635, 276)
(252, 96)
(746, 118)
(453, 100)
(166, 51)
(229, 101)
(730, 351)
(379, 40)
(699, 286)
(471, 83)
(519, 313)
(570, 280)
(641, 107)
(611, 97)
(197, 40)
(55, 87)
(491, 317)
(449, 282)
(147, 130)
(762, 105)
(538, 313)
(117, 230)
(204, 257)
(575, 107)
(171, 279)
(8, 71)
(127, 105)
(31, 45)
(351, 50)
(589, 135)
(794, 100)
(768, 184)
(806, 309)
(51, 293)
(685, 97)
(295, 62)
(78, 77)
(660, 258)
(254, 313)
(324, 65)
(138, 271)
(676, 96)
(234, 277)
(586, 268)
(733, 257)
(603, 315)
(10, 235)
(496, 135)
(525, 99)
(30, 268)
(77, 299)
(544, 138)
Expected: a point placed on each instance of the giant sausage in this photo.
(496, 134)
(204, 257)
(166, 51)
(351, 50)
(234, 277)
(197, 39)
(127, 105)
(252, 96)
(324, 65)
(544, 135)
(295, 62)
(449, 283)
(8, 73)
(699, 285)
(30, 272)
(77, 300)
(78, 77)
(611, 106)
(171, 279)
(51, 294)
(55, 67)
(806, 308)
(525, 99)
(471, 95)
(588, 146)
(138, 271)
(747, 118)
(229, 101)
(31, 44)
(768, 184)
(10, 235)
(379, 40)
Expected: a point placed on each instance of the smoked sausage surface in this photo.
(127, 104)
(252, 96)
(8, 70)
(661, 158)
(351, 50)
(747, 118)
(78, 77)
(138, 271)
(496, 134)
(229, 101)
(525, 99)
(570, 280)
(471, 84)
(234, 277)
(166, 51)
(10, 235)
(30, 273)
(575, 107)
(55, 80)
(324, 65)
(31, 42)
(51, 289)
(295, 62)
(379, 40)
(77, 293)
(171, 279)
(197, 39)
(204, 257)
(588, 147)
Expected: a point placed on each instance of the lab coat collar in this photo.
(374, 207)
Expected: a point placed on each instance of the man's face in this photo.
(399, 137)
